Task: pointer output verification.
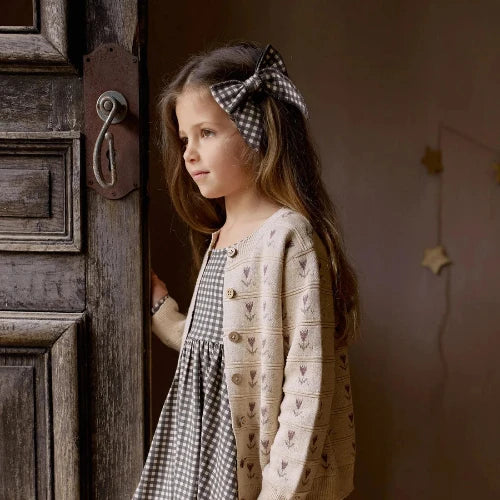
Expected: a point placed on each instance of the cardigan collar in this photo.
(214, 238)
(247, 240)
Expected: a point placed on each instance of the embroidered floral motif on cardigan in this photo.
(288, 382)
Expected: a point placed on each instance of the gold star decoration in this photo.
(432, 160)
(496, 166)
(435, 258)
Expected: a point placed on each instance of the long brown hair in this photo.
(286, 169)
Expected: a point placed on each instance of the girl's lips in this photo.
(201, 174)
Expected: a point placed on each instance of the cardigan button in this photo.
(231, 251)
(236, 378)
(235, 336)
(230, 292)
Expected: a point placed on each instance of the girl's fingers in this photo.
(155, 279)
(156, 282)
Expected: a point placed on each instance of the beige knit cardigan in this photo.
(288, 382)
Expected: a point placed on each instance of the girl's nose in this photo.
(190, 153)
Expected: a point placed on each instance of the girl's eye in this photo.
(204, 132)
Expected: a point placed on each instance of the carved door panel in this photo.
(74, 322)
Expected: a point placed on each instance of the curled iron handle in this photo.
(108, 102)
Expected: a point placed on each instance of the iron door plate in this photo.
(111, 67)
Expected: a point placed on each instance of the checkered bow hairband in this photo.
(236, 97)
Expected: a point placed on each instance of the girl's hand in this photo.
(158, 288)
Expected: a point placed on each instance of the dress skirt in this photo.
(193, 451)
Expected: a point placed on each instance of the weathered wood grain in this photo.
(42, 283)
(28, 369)
(16, 434)
(40, 103)
(43, 48)
(24, 193)
(118, 319)
(40, 363)
(58, 153)
(90, 381)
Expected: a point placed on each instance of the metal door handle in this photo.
(112, 107)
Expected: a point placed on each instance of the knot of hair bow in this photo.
(253, 83)
(236, 97)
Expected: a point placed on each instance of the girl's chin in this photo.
(209, 193)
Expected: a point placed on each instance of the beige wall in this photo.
(378, 78)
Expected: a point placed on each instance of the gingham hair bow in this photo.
(236, 97)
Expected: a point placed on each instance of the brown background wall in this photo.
(379, 79)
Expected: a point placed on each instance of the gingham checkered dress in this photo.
(193, 452)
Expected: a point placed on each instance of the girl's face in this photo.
(212, 144)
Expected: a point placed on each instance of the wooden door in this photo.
(74, 318)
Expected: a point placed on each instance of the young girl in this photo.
(260, 406)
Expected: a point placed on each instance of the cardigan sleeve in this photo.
(167, 323)
(309, 375)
